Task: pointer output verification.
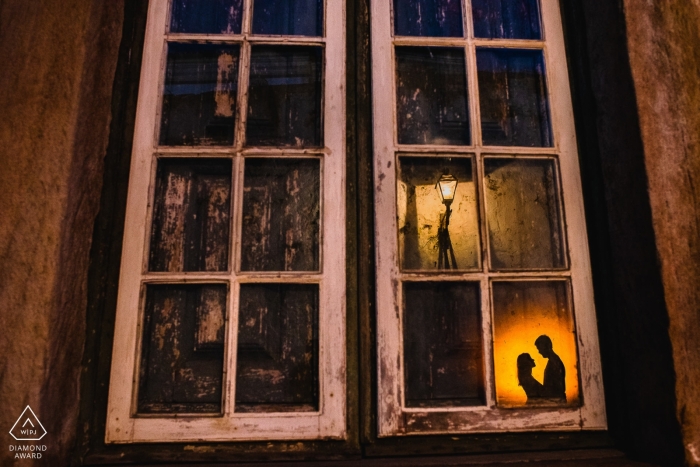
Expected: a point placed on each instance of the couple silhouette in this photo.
(553, 388)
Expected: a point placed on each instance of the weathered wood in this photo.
(285, 96)
(281, 209)
(178, 374)
(277, 361)
(443, 362)
(431, 96)
(191, 217)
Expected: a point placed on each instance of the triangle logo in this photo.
(28, 427)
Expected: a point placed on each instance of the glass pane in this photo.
(277, 363)
(513, 97)
(428, 239)
(522, 214)
(281, 215)
(534, 344)
(434, 18)
(191, 215)
(506, 19)
(431, 101)
(288, 17)
(199, 99)
(284, 98)
(442, 344)
(182, 353)
(207, 17)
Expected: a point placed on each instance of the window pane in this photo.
(281, 215)
(442, 344)
(431, 99)
(277, 363)
(191, 215)
(435, 18)
(182, 354)
(534, 344)
(288, 17)
(522, 213)
(207, 17)
(506, 19)
(513, 97)
(427, 240)
(284, 98)
(199, 101)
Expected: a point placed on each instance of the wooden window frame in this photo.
(394, 419)
(329, 422)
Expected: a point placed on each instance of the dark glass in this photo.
(432, 18)
(206, 16)
(421, 212)
(281, 212)
(513, 97)
(506, 19)
(277, 362)
(431, 101)
(284, 97)
(199, 98)
(522, 214)
(182, 353)
(288, 17)
(443, 363)
(191, 215)
(534, 344)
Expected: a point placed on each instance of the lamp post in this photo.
(446, 187)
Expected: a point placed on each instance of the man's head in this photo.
(544, 346)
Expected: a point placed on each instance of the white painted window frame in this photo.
(123, 425)
(394, 418)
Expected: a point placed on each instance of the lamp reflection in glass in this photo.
(446, 187)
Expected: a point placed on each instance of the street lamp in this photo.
(446, 187)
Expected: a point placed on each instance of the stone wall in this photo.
(664, 46)
(55, 88)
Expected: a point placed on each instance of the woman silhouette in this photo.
(533, 388)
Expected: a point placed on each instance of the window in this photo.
(485, 318)
(230, 318)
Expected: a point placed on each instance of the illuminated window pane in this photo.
(534, 344)
(506, 19)
(182, 354)
(522, 213)
(431, 99)
(425, 241)
(442, 344)
(434, 18)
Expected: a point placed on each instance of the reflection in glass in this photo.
(432, 18)
(277, 361)
(206, 17)
(288, 17)
(199, 98)
(506, 19)
(431, 100)
(522, 214)
(284, 97)
(182, 352)
(534, 344)
(192, 204)
(513, 97)
(442, 344)
(281, 212)
(421, 214)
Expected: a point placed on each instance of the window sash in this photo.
(123, 424)
(393, 417)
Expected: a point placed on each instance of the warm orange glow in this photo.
(513, 337)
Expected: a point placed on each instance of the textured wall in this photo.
(55, 86)
(663, 41)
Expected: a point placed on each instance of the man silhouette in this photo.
(554, 372)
